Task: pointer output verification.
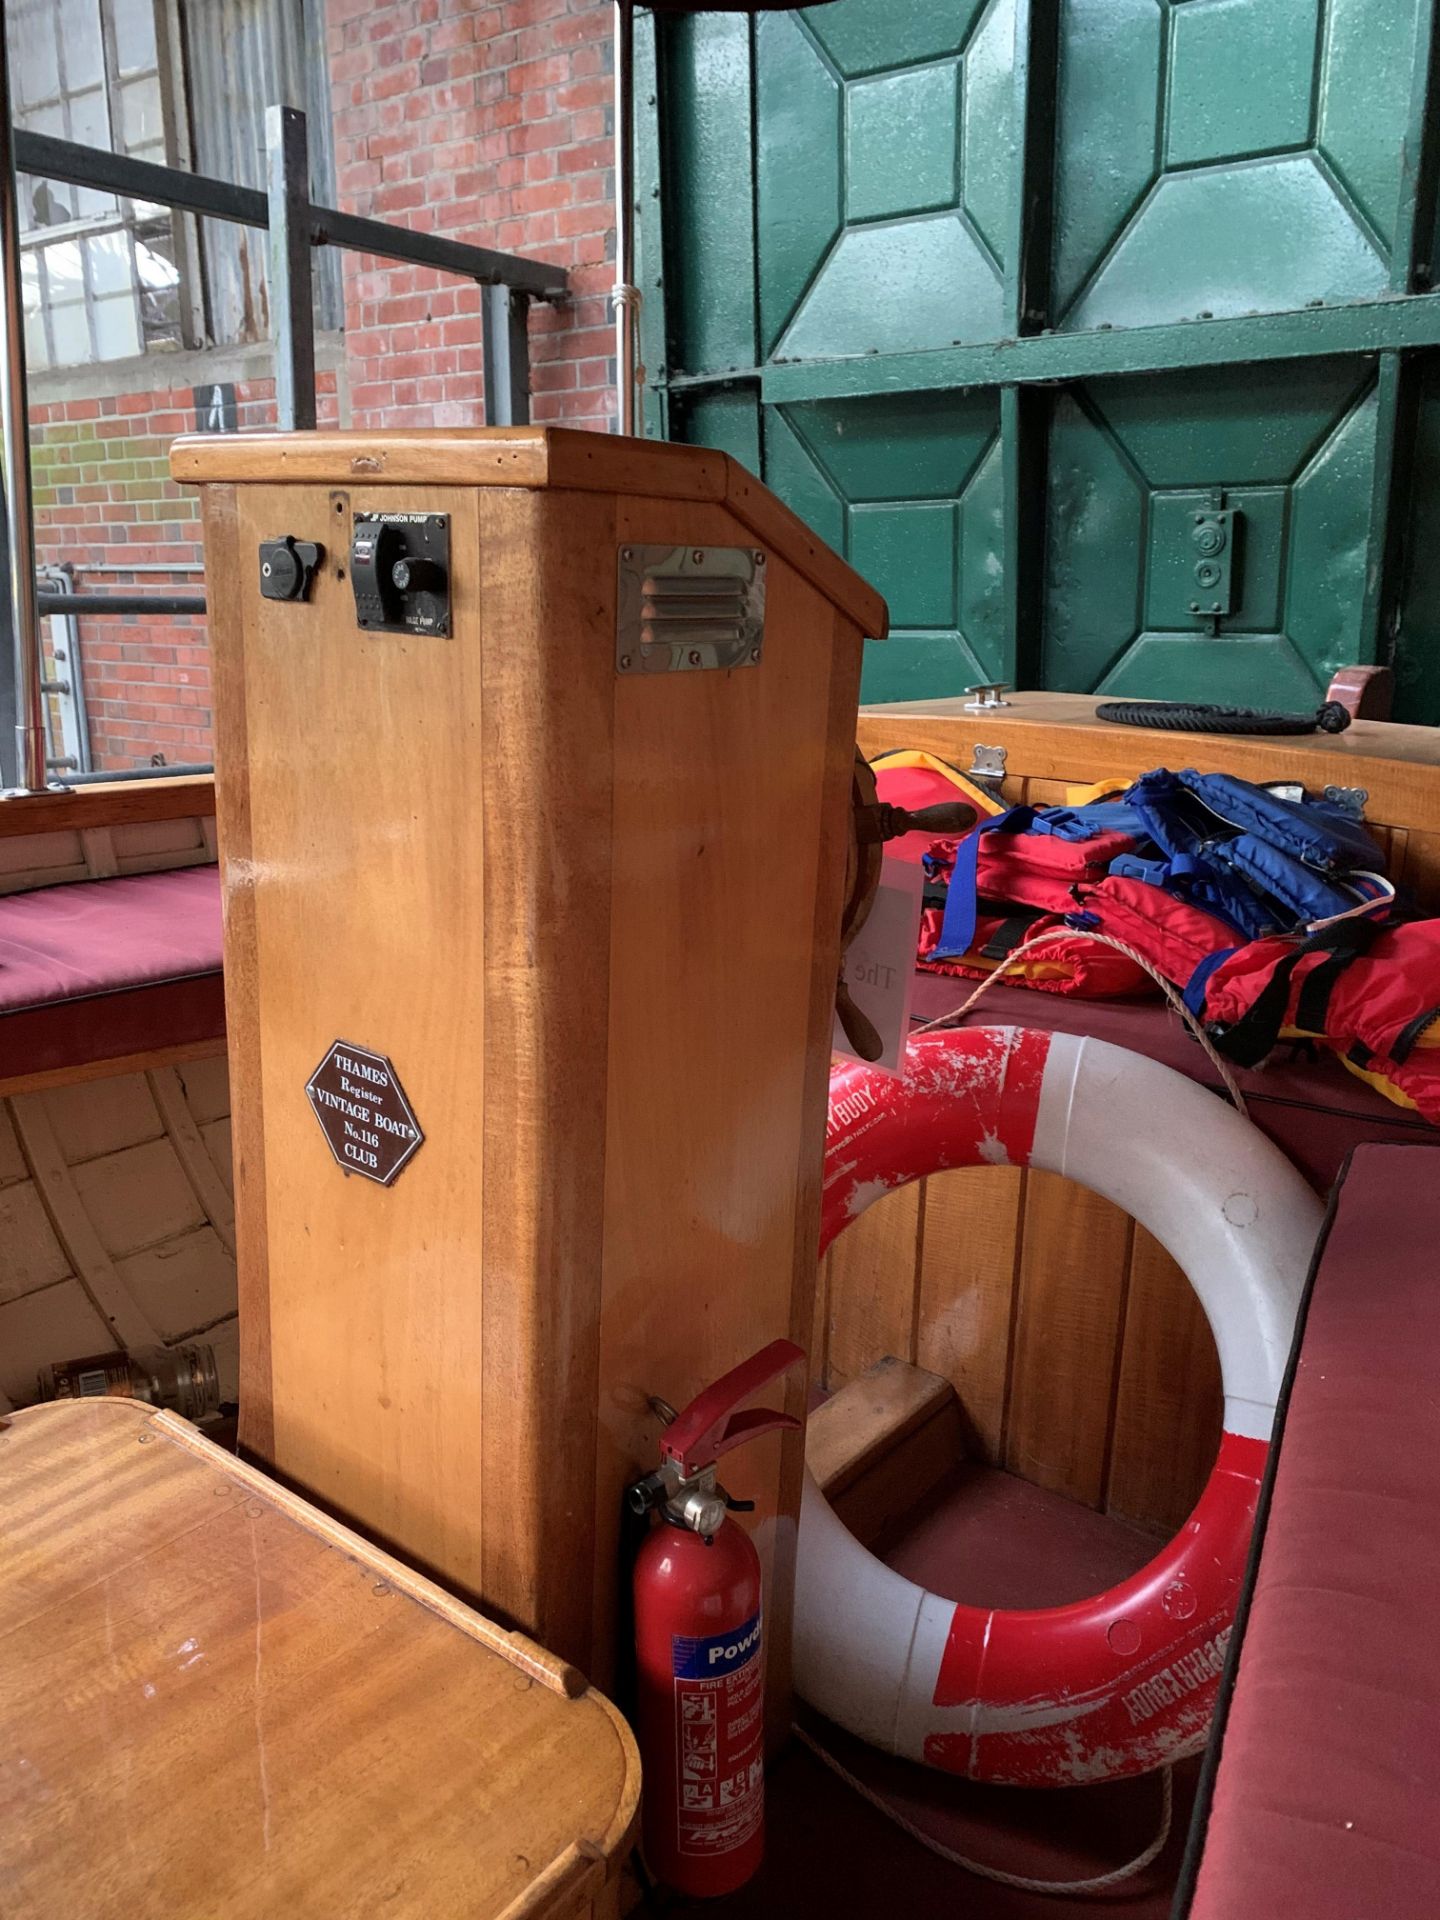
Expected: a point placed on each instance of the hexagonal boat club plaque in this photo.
(363, 1113)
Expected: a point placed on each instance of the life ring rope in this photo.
(1123, 1681)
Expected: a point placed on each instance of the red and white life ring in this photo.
(1124, 1681)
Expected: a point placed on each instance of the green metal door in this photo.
(1094, 334)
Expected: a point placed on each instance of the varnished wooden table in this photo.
(217, 1704)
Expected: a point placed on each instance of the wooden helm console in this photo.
(534, 754)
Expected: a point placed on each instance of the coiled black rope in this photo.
(1183, 717)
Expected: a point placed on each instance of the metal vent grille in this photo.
(686, 609)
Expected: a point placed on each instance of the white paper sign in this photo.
(880, 964)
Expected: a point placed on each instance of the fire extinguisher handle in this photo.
(711, 1426)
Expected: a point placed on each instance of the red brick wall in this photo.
(104, 498)
(489, 122)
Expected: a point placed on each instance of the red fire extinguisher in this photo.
(700, 1679)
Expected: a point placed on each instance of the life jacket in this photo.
(1262, 862)
(1069, 965)
(1176, 937)
(1368, 992)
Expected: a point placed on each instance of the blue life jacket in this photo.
(1261, 863)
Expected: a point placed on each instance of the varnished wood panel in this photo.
(880, 1446)
(216, 1700)
(108, 804)
(871, 1303)
(548, 691)
(715, 1107)
(966, 1284)
(1056, 737)
(1073, 1267)
(366, 929)
(1168, 1399)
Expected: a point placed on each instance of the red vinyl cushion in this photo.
(107, 968)
(1327, 1791)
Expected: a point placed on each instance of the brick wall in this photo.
(491, 123)
(104, 506)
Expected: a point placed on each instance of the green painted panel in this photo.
(1330, 525)
(881, 95)
(909, 488)
(1240, 80)
(988, 95)
(1256, 424)
(1228, 240)
(1129, 470)
(861, 37)
(1254, 671)
(800, 480)
(895, 286)
(1364, 100)
(911, 553)
(918, 666)
(857, 206)
(1227, 157)
(906, 447)
(901, 152)
(982, 566)
(798, 107)
(1109, 83)
(711, 303)
(728, 419)
(1097, 505)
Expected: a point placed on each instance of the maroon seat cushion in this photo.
(1309, 1105)
(1325, 1800)
(109, 968)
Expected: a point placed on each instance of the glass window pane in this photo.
(71, 330)
(117, 327)
(84, 48)
(65, 280)
(140, 113)
(33, 53)
(37, 354)
(44, 203)
(89, 118)
(111, 265)
(134, 33)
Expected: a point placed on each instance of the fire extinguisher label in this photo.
(719, 1737)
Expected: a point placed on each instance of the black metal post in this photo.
(507, 358)
(292, 305)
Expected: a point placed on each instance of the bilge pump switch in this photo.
(400, 570)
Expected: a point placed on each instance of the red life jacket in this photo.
(1367, 992)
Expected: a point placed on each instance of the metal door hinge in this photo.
(987, 768)
(686, 609)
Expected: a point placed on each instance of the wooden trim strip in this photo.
(108, 804)
(536, 457)
(103, 1069)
